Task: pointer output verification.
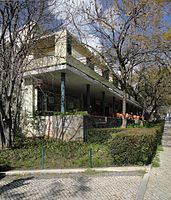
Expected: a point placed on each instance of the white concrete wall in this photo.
(30, 96)
(68, 127)
(28, 100)
(61, 46)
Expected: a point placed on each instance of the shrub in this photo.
(24, 142)
(134, 146)
(101, 135)
(159, 129)
(131, 146)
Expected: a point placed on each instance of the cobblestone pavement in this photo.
(101, 186)
(159, 185)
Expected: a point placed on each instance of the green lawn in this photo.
(56, 155)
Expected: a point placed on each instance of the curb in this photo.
(143, 185)
(69, 171)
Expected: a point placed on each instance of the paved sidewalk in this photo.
(116, 183)
(159, 185)
(100, 186)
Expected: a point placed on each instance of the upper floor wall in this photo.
(62, 48)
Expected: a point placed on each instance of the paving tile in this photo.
(114, 186)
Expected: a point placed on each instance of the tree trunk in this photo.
(124, 120)
(6, 134)
(151, 115)
(143, 118)
(2, 138)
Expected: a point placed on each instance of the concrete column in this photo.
(88, 98)
(82, 102)
(113, 105)
(135, 110)
(120, 106)
(130, 108)
(139, 111)
(61, 46)
(30, 98)
(34, 96)
(103, 103)
(62, 92)
(127, 108)
(45, 102)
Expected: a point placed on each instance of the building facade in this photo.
(64, 76)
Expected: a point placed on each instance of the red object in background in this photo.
(134, 116)
(127, 116)
(117, 114)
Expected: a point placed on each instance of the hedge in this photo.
(159, 129)
(101, 135)
(131, 146)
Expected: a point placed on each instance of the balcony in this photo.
(91, 73)
(45, 62)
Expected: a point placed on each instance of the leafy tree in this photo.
(153, 87)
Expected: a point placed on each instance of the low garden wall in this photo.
(64, 127)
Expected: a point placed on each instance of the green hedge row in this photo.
(101, 135)
(159, 131)
(131, 146)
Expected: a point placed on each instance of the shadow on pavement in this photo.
(14, 184)
(2, 175)
(4, 168)
(79, 188)
(82, 185)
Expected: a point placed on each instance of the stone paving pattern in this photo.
(104, 186)
(159, 185)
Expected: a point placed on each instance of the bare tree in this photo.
(21, 25)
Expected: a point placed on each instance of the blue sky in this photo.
(104, 4)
